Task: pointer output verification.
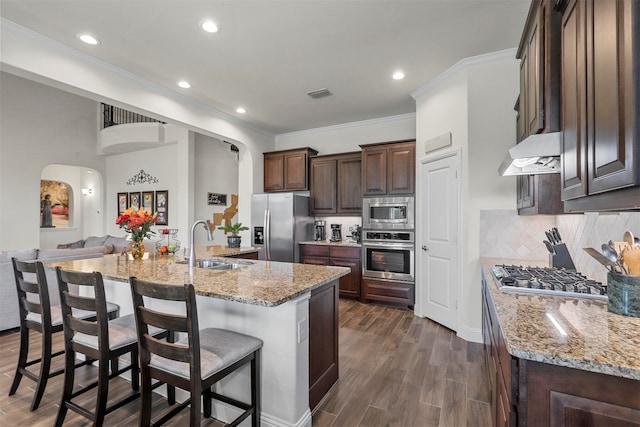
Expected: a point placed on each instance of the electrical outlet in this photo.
(303, 330)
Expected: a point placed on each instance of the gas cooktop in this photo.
(552, 281)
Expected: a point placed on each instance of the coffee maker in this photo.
(336, 233)
(319, 230)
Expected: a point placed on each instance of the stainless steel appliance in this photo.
(388, 255)
(388, 213)
(279, 221)
(356, 233)
(336, 233)
(543, 280)
(319, 230)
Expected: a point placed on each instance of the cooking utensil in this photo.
(632, 260)
(601, 258)
(628, 237)
(612, 255)
(549, 247)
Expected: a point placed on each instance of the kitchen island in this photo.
(555, 360)
(280, 303)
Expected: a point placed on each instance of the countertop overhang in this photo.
(565, 331)
(265, 283)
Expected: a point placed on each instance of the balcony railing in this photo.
(112, 116)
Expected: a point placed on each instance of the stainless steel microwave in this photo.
(388, 213)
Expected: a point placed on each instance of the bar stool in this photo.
(37, 314)
(100, 339)
(196, 362)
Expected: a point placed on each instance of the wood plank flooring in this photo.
(395, 370)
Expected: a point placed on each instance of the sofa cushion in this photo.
(49, 255)
(72, 245)
(93, 241)
(118, 243)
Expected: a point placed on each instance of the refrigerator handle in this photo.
(267, 233)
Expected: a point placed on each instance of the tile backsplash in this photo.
(505, 234)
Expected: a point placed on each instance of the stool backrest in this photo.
(97, 326)
(33, 297)
(185, 323)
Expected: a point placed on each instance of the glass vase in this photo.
(137, 249)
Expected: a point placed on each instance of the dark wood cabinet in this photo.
(528, 393)
(287, 170)
(600, 99)
(539, 194)
(388, 168)
(343, 256)
(336, 186)
(388, 291)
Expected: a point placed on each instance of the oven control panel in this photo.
(388, 236)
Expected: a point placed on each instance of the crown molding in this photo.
(463, 64)
(342, 126)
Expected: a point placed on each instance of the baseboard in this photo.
(470, 334)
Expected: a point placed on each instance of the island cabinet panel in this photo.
(339, 256)
(336, 186)
(323, 342)
(388, 168)
(600, 98)
(287, 170)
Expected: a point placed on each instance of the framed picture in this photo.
(147, 201)
(216, 199)
(123, 202)
(162, 207)
(134, 201)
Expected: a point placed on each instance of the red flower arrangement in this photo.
(137, 223)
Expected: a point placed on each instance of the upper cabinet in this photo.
(600, 104)
(388, 168)
(287, 170)
(336, 184)
(539, 102)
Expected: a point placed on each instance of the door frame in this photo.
(420, 287)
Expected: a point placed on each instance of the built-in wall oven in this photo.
(388, 255)
(388, 213)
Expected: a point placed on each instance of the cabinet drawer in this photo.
(312, 250)
(388, 291)
(342, 252)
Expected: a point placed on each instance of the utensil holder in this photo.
(624, 294)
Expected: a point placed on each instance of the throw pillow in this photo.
(72, 245)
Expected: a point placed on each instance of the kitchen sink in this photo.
(216, 264)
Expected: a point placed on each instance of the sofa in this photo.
(90, 248)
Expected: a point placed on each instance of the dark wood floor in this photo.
(395, 370)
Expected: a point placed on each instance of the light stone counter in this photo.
(346, 243)
(596, 340)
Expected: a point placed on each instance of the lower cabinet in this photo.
(528, 393)
(343, 256)
(388, 291)
(250, 255)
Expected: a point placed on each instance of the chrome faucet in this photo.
(192, 249)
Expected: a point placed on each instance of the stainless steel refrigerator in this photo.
(278, 222)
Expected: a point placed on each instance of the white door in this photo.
(437, 248)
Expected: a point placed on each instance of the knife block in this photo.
(562, 258)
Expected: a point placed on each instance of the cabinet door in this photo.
(534, 65)
(401, 169)
(374, 167)
(273, 172)
(349, 185)
(525, 190)
(316, 260)
(349, 284)
(323, 186)
(612, 109)
(574, 101)
(295, 171)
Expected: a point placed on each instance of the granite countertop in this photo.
(265, 283)
(223, 250)
(596, 340)
(328, 243)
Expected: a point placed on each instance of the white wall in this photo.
(39, 126)
(348, 137)
(216, 171)
(474, 101)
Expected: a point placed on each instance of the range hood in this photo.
(536, 154)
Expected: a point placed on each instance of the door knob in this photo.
(424, 248)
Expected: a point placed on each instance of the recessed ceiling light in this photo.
(209, 26)
(184, 84)
(88, 39)
(240, 110)
(398, 75)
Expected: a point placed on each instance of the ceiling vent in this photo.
(319, 93)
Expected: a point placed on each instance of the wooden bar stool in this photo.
(194, 363)
(38, 315)
(100, 339)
